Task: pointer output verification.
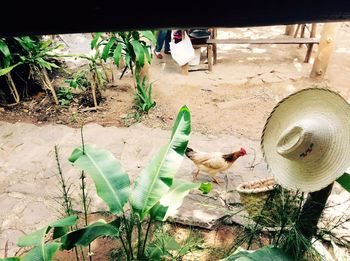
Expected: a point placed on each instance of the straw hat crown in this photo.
(306, 139)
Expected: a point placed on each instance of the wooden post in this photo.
(210, 57)
(302, 33)
(296, 31)
(215, 35)
(308, 219)
(310, 46)
(325, 48)
(290, 29)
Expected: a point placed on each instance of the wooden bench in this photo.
(308, 41)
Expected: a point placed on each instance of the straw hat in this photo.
(306, 139)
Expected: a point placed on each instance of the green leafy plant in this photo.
(165, 247)
(266, 253)
(78, 81)
(65, 96)
(130, 46)
(37, 54)
(6, 58)
(155, 194)
(144, 101)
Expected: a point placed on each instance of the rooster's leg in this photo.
(195, 174)
(215, 180)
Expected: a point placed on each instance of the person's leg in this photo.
(167, 42)
(160, 40)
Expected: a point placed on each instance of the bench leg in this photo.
(302, 33)
(184, 69)
(215, 53)
(210, 57)
(308, 53)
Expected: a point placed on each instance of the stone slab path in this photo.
(29, 191)
(28, 174)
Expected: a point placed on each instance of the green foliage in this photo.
(36, 54)
(144, 101)
(154, 195)
(84, 236)
(43, 250)
(344, 181)
(266, 253)
(111, 181)
(157, 177)
(65, 96)
(131, 46)
(165, 247)
(206, 187)
(78, 81)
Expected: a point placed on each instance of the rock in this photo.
(7, 204)
(36, 213)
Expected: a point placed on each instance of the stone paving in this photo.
(29, 186)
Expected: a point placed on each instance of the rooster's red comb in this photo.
(243, 151)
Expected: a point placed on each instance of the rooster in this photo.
(213, 163)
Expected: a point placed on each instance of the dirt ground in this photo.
(236, 98)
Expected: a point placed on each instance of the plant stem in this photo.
(129, 230)
(13, 88)
(146, 236)
(83, 189)
(67, 201)
(93, 86)
(125, 249)
(139, 239)
(46, 81)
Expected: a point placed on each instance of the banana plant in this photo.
(154, 196)
(130, 46)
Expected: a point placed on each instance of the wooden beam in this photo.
(264, 41)
(325, 49)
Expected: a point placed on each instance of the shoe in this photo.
(158, 55)
(167, 52)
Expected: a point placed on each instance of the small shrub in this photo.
(144, 101)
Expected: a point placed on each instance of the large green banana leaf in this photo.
(157, 177)
(36, 238)
(344, 181)
(84, 236)
(111, 181)
(268, 253)
(173, 199)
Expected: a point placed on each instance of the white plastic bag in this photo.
(183, 51)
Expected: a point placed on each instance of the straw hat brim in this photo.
(309, 103)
